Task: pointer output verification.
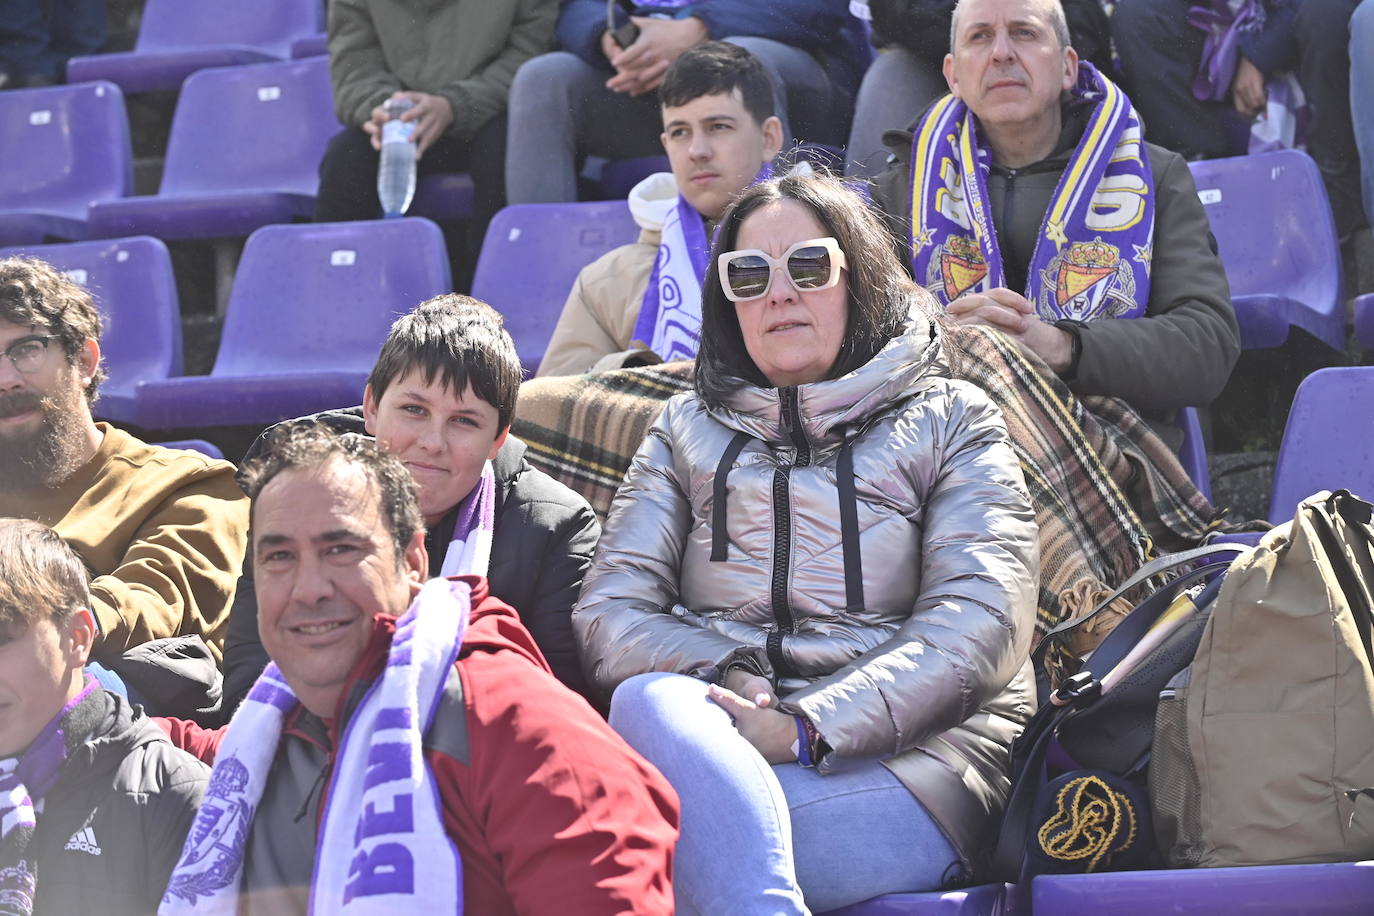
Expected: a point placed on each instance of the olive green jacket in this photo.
(464, 50)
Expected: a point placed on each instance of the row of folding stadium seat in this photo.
(243, 152)
(246, 141)
(178, 37)
(311, 303)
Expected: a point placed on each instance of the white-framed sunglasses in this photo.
(748, 273)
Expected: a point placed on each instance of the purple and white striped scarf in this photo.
(669, 322)
(1092, 257)
(381, 847)
(24, 780)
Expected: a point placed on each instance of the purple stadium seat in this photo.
(984, 900)
(195, 445)
(620, 175)
(1272, 221)
(131, 280)
(1193, 452)
(1267, 890)
(310, 46)
(1328, 443)
(1364, 321)
(244, 152)
(532, 254)
(65, 147)
(178, 37)
(310, 307)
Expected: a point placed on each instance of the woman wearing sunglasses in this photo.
(815, 592)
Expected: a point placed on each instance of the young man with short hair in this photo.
(408, 749)
(441, 398)
(720, 134)
(161, 530)
(94, 800)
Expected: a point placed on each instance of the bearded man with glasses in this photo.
(162, 531)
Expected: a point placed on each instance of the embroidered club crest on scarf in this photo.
(1092, 255)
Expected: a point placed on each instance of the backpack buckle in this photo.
(1079, 690)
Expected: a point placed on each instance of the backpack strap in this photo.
(1154, 568)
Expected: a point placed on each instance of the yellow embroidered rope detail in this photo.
(1089, 817)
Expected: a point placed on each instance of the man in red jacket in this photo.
(527, 802)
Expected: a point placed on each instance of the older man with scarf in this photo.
(1032, 204)
(407, 750)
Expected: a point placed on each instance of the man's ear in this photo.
(78, 637)
(500, 441)
(88, 360)
(1070, 68)
(369, 410)
(772, 137)
(948, 69)
(417, 559)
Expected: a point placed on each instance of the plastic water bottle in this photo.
(396, 171)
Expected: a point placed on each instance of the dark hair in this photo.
(880, 292)
(34, 293)
(717, 68)
(39, 572)
(311, 445)
(459, 338)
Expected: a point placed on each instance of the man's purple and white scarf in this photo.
(1092, 256)
(669, 322)
(24, 780)
(381, 847)
(1283, 124)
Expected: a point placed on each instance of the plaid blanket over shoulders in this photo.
(1108, 493)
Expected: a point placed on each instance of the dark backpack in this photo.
(1079, 796)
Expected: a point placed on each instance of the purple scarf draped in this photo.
(24, 780)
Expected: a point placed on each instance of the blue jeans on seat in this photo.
(761, 839)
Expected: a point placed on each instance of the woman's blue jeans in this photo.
(761, 839)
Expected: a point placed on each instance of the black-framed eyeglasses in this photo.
(30, 353)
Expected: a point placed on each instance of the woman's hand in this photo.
(751, 687)
(769, 731)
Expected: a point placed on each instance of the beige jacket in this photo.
(162, 532)
(465, 50)
(594, 330)
(930, 672)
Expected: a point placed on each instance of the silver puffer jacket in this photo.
(875, 554)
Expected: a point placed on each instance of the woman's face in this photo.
(792, 335)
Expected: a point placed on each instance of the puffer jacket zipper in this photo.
(782, 531)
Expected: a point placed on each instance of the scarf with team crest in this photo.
(24, 780)
(1092, 255)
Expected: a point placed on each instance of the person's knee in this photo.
(1362, 22)
(646, 700)
(547, 76)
